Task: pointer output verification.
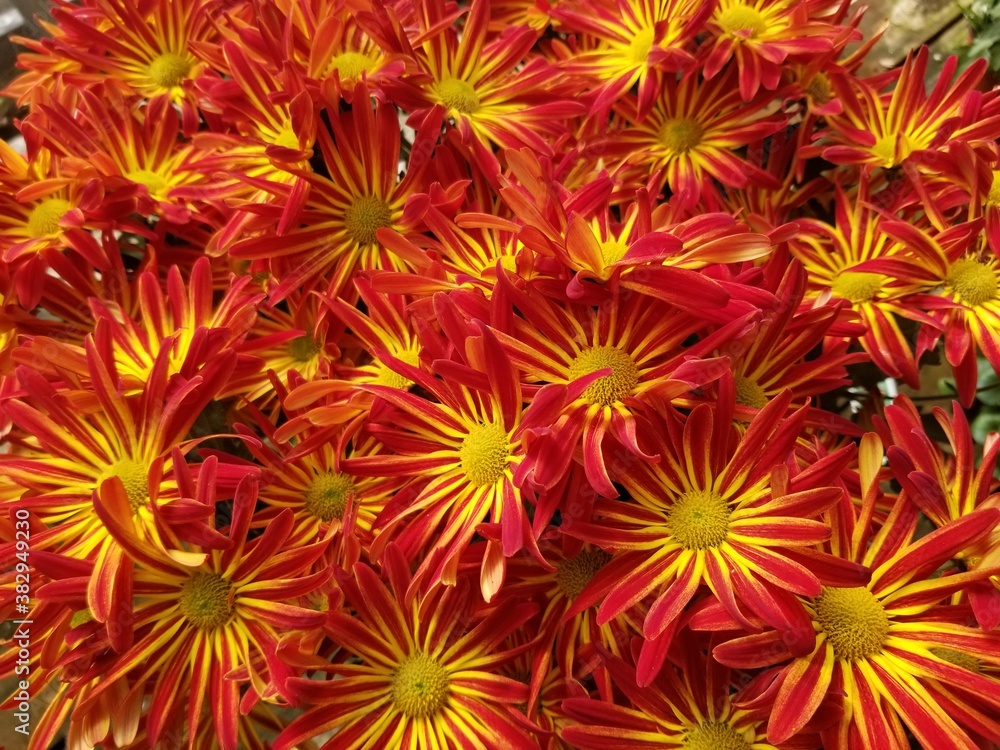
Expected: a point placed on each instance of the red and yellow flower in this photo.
(718, 511)
(893, 650)
(425, 675)
(202, 622)
(690, 139)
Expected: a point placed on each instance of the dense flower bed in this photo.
(504, 374)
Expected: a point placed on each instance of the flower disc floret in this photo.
(854, 620)
(286, 138)
(484, 453)
(45, 217)
(574, 573)
(993, 197)
(169, 70)
(749, 393)
(420, 686)
(638, 49)
(153, 182)
(699, 519)
(742, 20)
(973, 282)
(304, 348)
(613, 251)
(350, 65)
(458, 95)
(135, 478)
(327, 496)
(389, 377)
(715, 735)
(206, 600)
(365, 216)
(857, 286)
(609, 389)
(681, 134)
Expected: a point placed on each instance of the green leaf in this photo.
(984, 424)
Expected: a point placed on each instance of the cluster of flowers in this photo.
(498, 374)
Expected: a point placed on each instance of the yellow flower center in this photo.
(327, 496)
(366, 215)
(972, 282)
(287, 138)
(681, 134)
(484, 454)
(574, 573)
(350, 65)
(749, 393)
(508, 263)
(613, 251)
(419, 686)
(885, 149)
(608, 389)
(742, 20)
(699, 519)
(458, 95)
(819, 89)
(715, 735)
(993, 198)
(304, 348)
(135, 479)
(638, 49)
(393, 379)
(45, 217)
(959, 659)
(854, 621)
(857, 286)
(169, 70)
(206, 600)
(155, 184)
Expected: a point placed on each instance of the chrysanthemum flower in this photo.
(777, 355)
(196, 623)
(569, 641)
(84, 433)
(493, 90)
(63, 681)
(465, 252)
(131, 148)
(461, 455)
(146, 49)
(967, 304)
(425, 674)
(626, 43)
(764, 35)
(299, 335)
(265, 125)
(43, 211)
(390, 327)
(874, 262)
(329, 44)
(335, 232)
(948, 488)
(181, 319)
(722, 512)
(691, 135)
(639, 340)
(307, 477)
(892, 648)
(687, 707)
(883, 130)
